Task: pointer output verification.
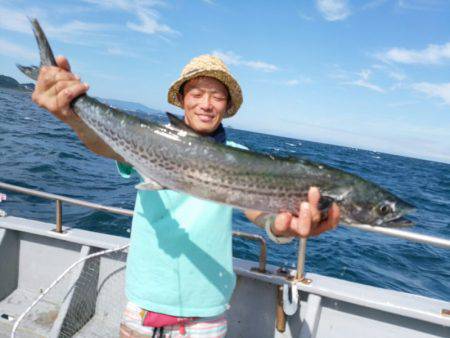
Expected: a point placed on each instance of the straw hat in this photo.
(212, 66)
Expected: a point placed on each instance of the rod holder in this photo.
(301, 259)
(58, 216)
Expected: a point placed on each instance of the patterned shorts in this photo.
(206, 327)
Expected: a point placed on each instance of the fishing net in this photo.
(86, 300)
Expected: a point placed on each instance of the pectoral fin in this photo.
(148, 184)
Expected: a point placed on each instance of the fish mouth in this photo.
(398, 222)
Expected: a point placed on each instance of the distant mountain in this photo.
(131, 106)
(134, 107)
(11, 83)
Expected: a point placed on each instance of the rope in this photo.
(104, 252)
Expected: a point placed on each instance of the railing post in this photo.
(301, 259)
(262, 253)
(58, 216)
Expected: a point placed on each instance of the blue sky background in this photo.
(371, 74)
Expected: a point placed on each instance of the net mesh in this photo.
(86, 300)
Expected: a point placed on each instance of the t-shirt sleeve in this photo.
(125, 170)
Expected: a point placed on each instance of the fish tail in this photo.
(45, 51)
(31, 71)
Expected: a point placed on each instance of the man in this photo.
(179, 268)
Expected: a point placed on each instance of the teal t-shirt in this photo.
(180, 256)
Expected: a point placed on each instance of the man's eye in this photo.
(219, 98)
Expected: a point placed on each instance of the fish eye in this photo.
(384, 209)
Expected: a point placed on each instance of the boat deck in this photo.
(89, 301)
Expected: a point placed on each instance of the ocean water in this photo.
(39, 152)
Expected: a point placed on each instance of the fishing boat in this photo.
(57, 281)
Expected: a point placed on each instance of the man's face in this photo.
(205, 101)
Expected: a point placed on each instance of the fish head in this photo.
(375, 206)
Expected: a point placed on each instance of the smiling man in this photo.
(179, 276)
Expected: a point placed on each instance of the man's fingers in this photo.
(301, 225)
(62, 62)
(65, 76)
(48, 76)
(282, 222)
(330, 223)
(65, 84)
(73, 91)
(313, 199)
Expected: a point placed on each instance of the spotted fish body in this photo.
(174, 158)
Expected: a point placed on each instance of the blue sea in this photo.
(39, 152)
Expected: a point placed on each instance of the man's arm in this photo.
(308, 222)
(55, 88)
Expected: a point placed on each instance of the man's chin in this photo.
(205, 128)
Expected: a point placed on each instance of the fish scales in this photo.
(179, 160)
(205, 169)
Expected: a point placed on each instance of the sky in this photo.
(370, 74)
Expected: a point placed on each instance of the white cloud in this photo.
(398, 76)
(74, 31)
(232, 58)
(293, 82)
(304, 16)
(16, 51)
(13, 20)
(144, 10)
(333, 10)
(420, 5)
(440, 90)
(363, 81)
(297, 81)
(148, 23)
(433, 54)
(373, 4)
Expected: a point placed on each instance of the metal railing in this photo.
(59, 199)
(408, 235)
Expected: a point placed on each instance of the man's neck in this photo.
(218, 135)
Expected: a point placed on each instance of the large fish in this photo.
(175, 157)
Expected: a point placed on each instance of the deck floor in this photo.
(36, 324)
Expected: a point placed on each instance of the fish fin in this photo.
(31, 71)
(148, 184)
(178, 123)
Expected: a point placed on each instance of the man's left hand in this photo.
(308, 223)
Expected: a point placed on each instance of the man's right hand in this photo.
(56, 87)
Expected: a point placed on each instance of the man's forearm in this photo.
(92, 141)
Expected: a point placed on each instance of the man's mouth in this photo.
(205, 118)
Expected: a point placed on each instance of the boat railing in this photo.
(59, 199)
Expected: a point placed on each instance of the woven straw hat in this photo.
(212, 66)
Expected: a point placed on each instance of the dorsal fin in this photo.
(178, 123)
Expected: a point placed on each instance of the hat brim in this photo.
(233, 88)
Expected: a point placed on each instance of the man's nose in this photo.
(206, 102)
